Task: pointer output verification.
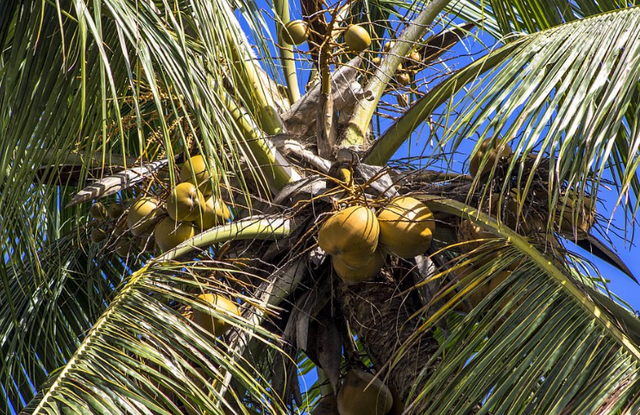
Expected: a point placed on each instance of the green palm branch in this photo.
(106, 101)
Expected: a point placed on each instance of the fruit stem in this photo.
(286, 52)
(258, 227)
(275, 168)
(361, 118)
(387, 145)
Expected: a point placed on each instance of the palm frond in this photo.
(536, 343)
(143, 356)
(44, 320)
(532, 16)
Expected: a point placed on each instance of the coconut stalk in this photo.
(276, 170)
(361, 118)
(285, 51)
(387, 145)
(253, 89)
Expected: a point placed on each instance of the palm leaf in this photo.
(535, 344)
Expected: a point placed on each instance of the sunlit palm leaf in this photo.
(44, 320)
(575, 103)
(535, 344)
(143, 356)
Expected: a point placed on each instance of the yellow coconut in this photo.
(355, 275)
(122, 247)
(471, 232)
(218, 305)
(146, 243)
(529, 222)
(403, 79)
(295, 32)
(415, 56)
(489, 154)
(215, 213)
(185, 202)
(169, 234)
(473, 294)
(195, 171)
(357, 38)
(406, 227)
(350, 235)
(142, 215)
(360, 394)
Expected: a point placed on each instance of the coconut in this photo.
(98, 235)
(195, 171)
(350, 235)
(577, 215)
(357, 38)
(98, 211)
(142, 215)
(328, 405)
(295, 32)
(489, 154)
(219, 305)
(215, 213)
(362, 394)
(169, 234)
(354, 275)
(403, 79)
(406, 227)
(115, 210)
(185, 202)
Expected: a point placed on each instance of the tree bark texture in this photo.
(379, 312)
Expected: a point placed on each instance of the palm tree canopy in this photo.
(103, 103)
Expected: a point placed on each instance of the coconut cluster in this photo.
(407, 69)
(151, 222)
(356, 37)
(358, 240)
(571, 215)
(574, 214)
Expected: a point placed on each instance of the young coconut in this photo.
(403, 79)
(219, 305)
(357, 38)
(98, 211)
(185, 202)
(350, 235)
(98, 235)
(142, 214)
(123, 247)
(470, 232)
(406, 227)
(115, 210)
(169, 234)
(295, 32)
(488, 154)
(351, 275)
(360, 394)
(195, 171)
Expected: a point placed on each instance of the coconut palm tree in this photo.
(474, 299)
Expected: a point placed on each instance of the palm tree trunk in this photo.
(380, 315)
